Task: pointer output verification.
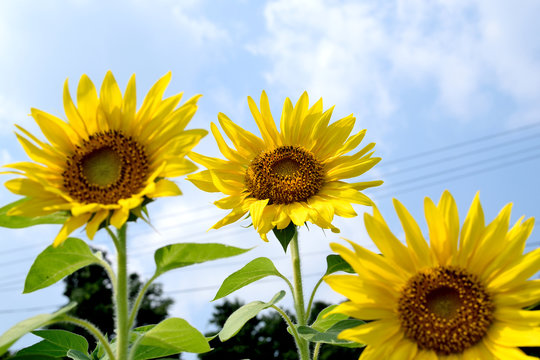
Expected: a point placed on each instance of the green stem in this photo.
(303, 345)
(92, 330)
(138, 300)
(316, 351)
(288, 321)
(121, 296)
(310, 303)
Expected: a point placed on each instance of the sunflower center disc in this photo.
(284, 175)
(105, 168)
(445, 309)
(443, 302)
(101, 167)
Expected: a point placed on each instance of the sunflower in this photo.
(108, 158)
(293, 175)
(462, 297)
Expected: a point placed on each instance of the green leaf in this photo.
(17, 331)
(335, 263)
(63, 338)
(241, 316)
(330, 336)
(45, 348)
(171, 336)
(18, 222)
(323, 322)
(179, 255)
(285, 235)
(53, 264)
(253, 271)
(78, 355)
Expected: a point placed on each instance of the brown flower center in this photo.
(105, 168)
(445, 309)
(284, 175)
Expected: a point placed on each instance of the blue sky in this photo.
(420, 76)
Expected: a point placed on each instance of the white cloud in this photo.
(371, 54)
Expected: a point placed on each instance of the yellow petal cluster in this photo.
(108, 157)
(494, 263)
(294, 174)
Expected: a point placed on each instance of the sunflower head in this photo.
(294, 174)
(108, 159)
(460, 297)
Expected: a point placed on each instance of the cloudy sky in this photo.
(448, 90)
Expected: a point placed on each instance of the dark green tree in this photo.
(265, 338)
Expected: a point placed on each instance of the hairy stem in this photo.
(121, 296)
(92, 329)
(302, 344)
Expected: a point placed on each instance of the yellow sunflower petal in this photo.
(163, 188)
(419, 249)
(243, 140)
(119, 217)
(73, 115)
(374, 333)
(473, 229)
(529, 265)
(93, 224)
(511, 335)
(87, 103)
(234, 215)
(153, 99)
(387, 243)
(111, 100)
(129, 104)
(71, 224)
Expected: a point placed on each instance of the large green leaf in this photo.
(330, 336)
(253, 271)
(241, 316)
(324, 321)
(44, 348)
(53, 264)
(13, 334)
(171, 336)
(17, 222)
(335, 263)
(285, 235)
(179, 255)
(64, 338)
(57, 343)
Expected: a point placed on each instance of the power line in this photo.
(461, 155)
(460, 176)
(461, 144)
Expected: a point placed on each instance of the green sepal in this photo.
(330, 336)
(55, 263)
(19, 222)
(335, 263)
(184, 254)
(285, 235)
(251, 272)
(242, 315)
(18, 330)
